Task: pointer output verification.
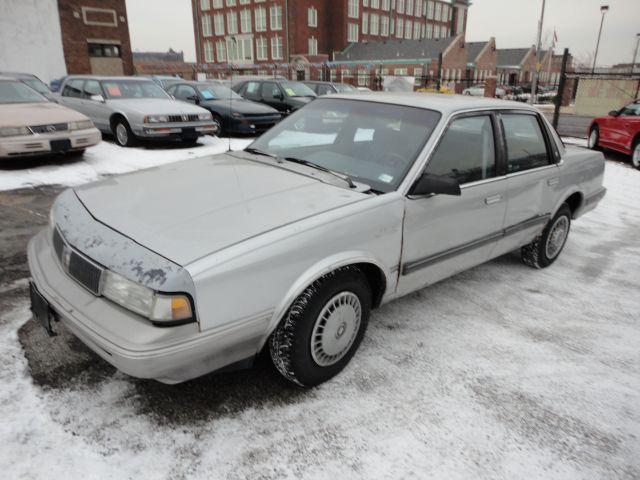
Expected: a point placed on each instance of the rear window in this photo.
(526, 147)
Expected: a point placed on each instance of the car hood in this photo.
(241, 106)
(155, 106)
(187, 210)
(41, 113)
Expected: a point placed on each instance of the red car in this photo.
(620, 131)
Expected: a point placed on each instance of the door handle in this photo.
(493, 199)
(553, 181)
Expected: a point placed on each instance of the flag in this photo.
(555, 37)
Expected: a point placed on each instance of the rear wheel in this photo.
(635, 154)
(323, 328)
(546, 248)
(594, 138)
(217, 120)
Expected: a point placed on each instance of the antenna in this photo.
(235, 42)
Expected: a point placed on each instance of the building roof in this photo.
(511, 57)
(474, 49)
(447, 104)
(422, 49)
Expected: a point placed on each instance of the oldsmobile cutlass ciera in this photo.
(353, 201)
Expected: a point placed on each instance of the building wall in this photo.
(486, 63)
(30, 38)
(94, 21)
(596, 97)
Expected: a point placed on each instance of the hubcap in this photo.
(336, 329)
(557, 237)
(635, 158)
(593, 138)
(121, 134)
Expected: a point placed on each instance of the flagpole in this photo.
(534, 83)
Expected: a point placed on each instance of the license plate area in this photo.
(41, 310)
(189, 132)
(60, 145)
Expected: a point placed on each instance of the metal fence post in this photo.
(563, 78)
(439, 74)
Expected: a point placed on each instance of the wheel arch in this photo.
(116, 116)
(378, 276)
(574, 198)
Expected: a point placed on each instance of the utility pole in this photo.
(635, 53)
(604, 9)
(534, 83)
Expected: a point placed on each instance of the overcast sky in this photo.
(161, 24)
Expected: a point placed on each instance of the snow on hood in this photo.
(187, 210)
(40, 113)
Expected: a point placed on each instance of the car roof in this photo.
(107, 78)
(17, 75)
(434, 101)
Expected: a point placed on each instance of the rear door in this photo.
(96, 110)
(533, 177)
(72, 93)
(627, 126)
(273, 96)
(446, 234)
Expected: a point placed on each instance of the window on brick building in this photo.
(365, 3)
(261, 49)
(353, 8)
(429, 33)
(206, 26)
(419, 8)
(261, 19)
(375, 3)
(399, 28)
(430, 8)
(400, 72)
(231, 3)
(352, 32)
(104, 50)
(363, 77)
(232, 23)
(276, 48)
(245, 2)
(416, 30)
(204, 5)
(208, 52)
(365, 23)
(216, 3)
(460, 20)
(313, 46)
(438, 13)
(221, 51)
(275, 13)
(384, 26)
(386, 5)
(374, 23)
(218, 23)
(408, 29)
(312, 17)
(409, 7)
(400, 6)
(245, 21)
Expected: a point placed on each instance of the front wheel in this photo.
(123, 134)
(635, 155)
(594, 138)
(323, 328)
(546, 248)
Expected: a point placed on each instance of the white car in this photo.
(348, 203)
(478, 91)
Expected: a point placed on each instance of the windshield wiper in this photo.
(307, 163)
(257, 151)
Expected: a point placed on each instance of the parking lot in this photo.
(499, 372)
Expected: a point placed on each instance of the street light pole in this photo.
(635, 53)
(534, 80)
(604, 9)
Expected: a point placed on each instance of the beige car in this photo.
(31, 125)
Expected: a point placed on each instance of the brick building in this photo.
(255, 33)
(482, 60)
(516, 65)
(95, 37)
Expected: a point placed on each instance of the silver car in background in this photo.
(133, 108)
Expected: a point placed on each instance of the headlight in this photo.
(14, 131)
(82, 125)
(156, 118)
(205, 116)
(155, 306)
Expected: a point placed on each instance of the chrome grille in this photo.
(50, 128)
(79, 267)
(183, 118)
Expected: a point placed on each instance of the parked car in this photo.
(54, 85)
(33, 81)
(283, 95)
(231, 113)
(133, 108)
(31, 125)
(619, 130)
(326, 88)
(349, 203)
(363, 89)
(478, 91)
(163, 81)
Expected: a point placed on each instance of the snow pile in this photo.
(107, 158)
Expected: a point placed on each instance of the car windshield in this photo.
(37, 84)
(122, 89)
(297, 89)
(217, 92)
(18, 92)
(373, 143)
(344, 88)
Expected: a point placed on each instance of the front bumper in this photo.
(40, 144)
(129, 342)
(252, 126)
(184, 130)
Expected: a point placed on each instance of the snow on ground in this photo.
(580, 142)
(499, 372)
(107, 158)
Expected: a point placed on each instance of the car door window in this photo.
(324, 90)
(183, 92)
(632, 110)
(92, 87)
(526, 147)
(73, 88)
(466, 151)
(252, 90)
(270, 91)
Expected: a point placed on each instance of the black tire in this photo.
(75, 153)
(635, 153)
(290, 343)
(535, 254)
(189, 142)
(595, 130)
(218, 120)
(128, 140)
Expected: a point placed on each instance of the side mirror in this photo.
(614, 113)
(431, 184)
(97, 98)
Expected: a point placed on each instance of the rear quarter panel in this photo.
(582, 171)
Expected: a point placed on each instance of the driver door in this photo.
(273, 96)
(446, 234)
